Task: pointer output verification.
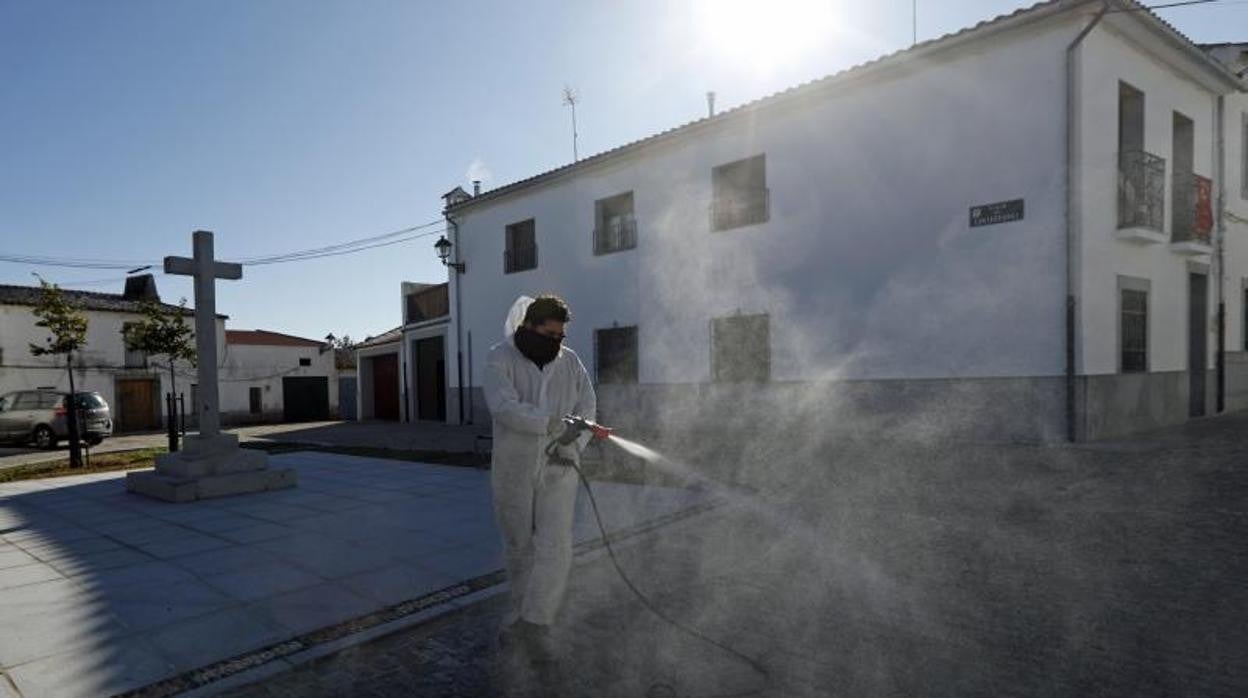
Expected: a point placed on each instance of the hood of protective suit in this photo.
(515, 317)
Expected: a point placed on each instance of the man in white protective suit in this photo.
(531, 382)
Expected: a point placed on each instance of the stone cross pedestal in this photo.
(210, 464)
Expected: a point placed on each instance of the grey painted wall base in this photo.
(703, 419)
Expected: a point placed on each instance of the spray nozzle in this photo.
(573, 425)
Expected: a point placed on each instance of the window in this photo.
(27, 401)
(254, 394)
(1130, 118)
(305, 362)
(739, 193)
(616, 352)
(521, 253)
(741, 349)
(1183, 186)
(615, 228)
(1141, 174)
(1133, 324)
(50, 401)
(134, 358)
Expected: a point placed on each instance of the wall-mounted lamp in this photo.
(443, 246)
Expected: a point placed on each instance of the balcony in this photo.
(619, 233)
(428, 304)
(1141, 197)
(740, 208)
(1192, 221)
(520, 259)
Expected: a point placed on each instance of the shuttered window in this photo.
(1134, 327)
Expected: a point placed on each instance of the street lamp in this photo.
(443, 246)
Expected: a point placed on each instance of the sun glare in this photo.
(764, 34)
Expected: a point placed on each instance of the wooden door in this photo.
(386, 387)
(431, 379)
(136, 408)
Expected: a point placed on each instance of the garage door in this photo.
(305, 399)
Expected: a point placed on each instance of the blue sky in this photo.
(290, 124)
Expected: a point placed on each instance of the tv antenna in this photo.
(570, 98)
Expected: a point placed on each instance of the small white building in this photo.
(274, 377)
(403, 374)
(264, 376)
(132, 384)
(1023, 230)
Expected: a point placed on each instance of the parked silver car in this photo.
(39, 417)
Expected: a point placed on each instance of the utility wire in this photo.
(349, 247)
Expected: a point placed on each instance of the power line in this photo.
(342, 248)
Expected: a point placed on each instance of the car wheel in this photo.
(45, 437)
(95, 440)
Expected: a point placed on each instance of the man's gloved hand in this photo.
(569, 452)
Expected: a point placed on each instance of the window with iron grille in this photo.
(134, 358)
(254, 396)
(615, 228)
(521, 252)
(616, 352)
(739, 194)
(741, 349)
(1133, 307)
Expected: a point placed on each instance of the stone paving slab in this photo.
(102, 591)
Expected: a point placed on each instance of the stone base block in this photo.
(187, 489)
(201, 462)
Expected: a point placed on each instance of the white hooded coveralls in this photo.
(534, 501)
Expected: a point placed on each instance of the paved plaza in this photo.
(1111, 569)
(103, 592)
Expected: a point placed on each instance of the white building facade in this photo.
(264, 376)
(134, 385)
(896, 247)
(403, 374)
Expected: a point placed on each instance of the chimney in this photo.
(710, 104)
(476, 187)
(141, 288)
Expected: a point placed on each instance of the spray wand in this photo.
(574, 426)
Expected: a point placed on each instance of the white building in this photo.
(133, 386)
(273, 377)
(264, 376)
(897, 246)
(403, 373)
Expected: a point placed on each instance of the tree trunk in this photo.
(71, 415)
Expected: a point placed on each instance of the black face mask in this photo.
(536, 347)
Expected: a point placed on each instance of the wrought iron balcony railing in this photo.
(616, 234)
(740, 208)
(1141, 190)
(1192, 217)
(520, 259)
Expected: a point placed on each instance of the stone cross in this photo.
(205, 270)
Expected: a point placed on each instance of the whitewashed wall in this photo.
(1110, 57)
(246, 366)
(99, 364)
(868, 266)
